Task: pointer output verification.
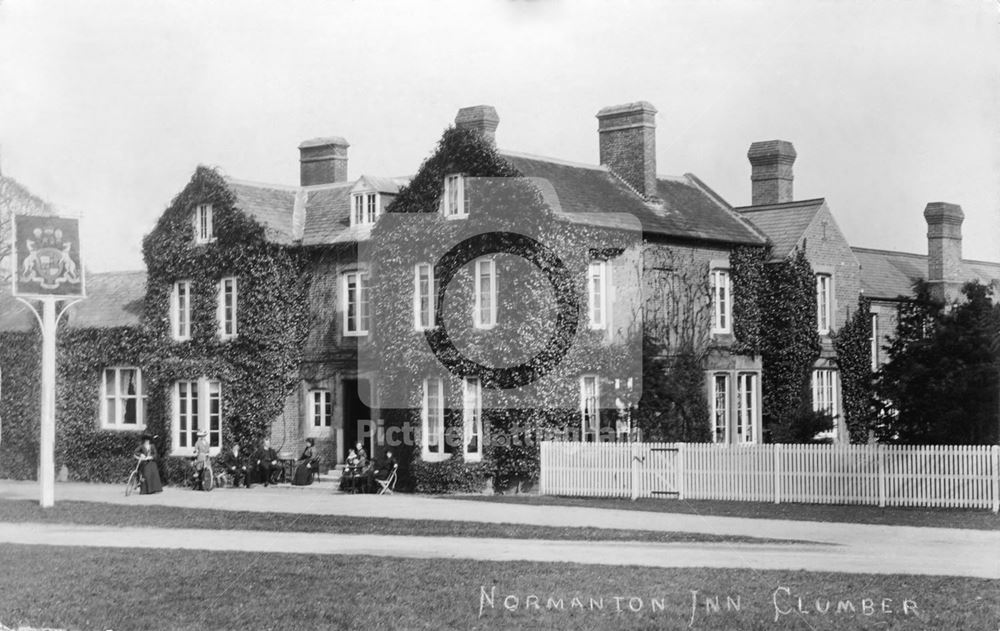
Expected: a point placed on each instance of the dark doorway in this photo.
(355, 409)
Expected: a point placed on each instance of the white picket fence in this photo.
(966, 476)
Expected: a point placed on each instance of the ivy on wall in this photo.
(257, 368)
(789, 346)
(413, 231)
(749, 282)
(853, 345)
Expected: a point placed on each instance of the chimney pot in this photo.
(479, 118)
(944, 250)
(771, 172)
(627, 135)
(323, 161)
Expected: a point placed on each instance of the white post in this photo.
(681, 490)
(634, 453)
(880, 453)
(996, 478)
(46, 446)
(776, 452)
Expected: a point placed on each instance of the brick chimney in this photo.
(323, 161)
(628, 144)
(771, 172)
(479, 118)
(944, 250)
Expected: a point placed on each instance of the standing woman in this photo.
(146, 455)
(304, 467)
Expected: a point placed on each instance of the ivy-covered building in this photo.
(309, 311)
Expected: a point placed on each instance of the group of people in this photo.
(361, 472)
(259, 467)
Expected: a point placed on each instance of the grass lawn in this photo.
(98, 588)
(94, 514)
(927, 517)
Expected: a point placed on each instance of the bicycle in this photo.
(135, 479)
(206, 476)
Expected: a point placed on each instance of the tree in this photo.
(940, 385)
(853, 344)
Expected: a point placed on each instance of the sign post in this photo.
(47, 268)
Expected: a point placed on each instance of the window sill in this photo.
(473, 457)
(428, 456)
(121, 428)
(355, 333)
(188, 452)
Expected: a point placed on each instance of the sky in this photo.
(107, 107)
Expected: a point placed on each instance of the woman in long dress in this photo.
(146, 454)
(304, 467)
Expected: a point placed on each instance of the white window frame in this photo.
(472, 418)
(432, 420)
(720, 406)
(121, 398)
(722, 302)
(362, 315)
(320, 409)
(747, 407)
(597, 294)
(423, 302)
(590, 408)
(206, 392)
(485, 318)
(825, 383)
(824, 303)
(453, 202)
(874, 342)
(180, 310)
(226, 314)
(204, 230)
(366, 206)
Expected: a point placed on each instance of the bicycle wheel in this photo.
(208, 479)
(133, 483)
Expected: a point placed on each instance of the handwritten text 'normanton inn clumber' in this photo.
(783, 602)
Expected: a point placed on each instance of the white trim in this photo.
(824, 303)
(204, 230)
(202, 391)
(722, 302)
(320, 412)
(874, 342)
(362, 307)
(453, 202)
(366, 207)
(597, 308)
(418, 310)
(594, 411)
(747, 407)
(825, 383)
(180, 333)
(477, 307)
(220, 314)
(425, 450)
(120, 398)
(472, 418)
(725, 403)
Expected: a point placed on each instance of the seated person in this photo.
(306, 465)
(267, 461)
(350, 470)
(383, 469)
(362, 471)
(236, 468)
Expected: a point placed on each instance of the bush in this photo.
(450, 476)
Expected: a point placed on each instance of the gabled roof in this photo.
(887, 274)
(328, 212)
(113, 299)
(273, 206)
(688, 210)
(379, 184)
(784, 224)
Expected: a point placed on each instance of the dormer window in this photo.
(453, 202)
(203, 230)
(365, 208)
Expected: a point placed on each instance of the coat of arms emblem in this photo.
(48, 256)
